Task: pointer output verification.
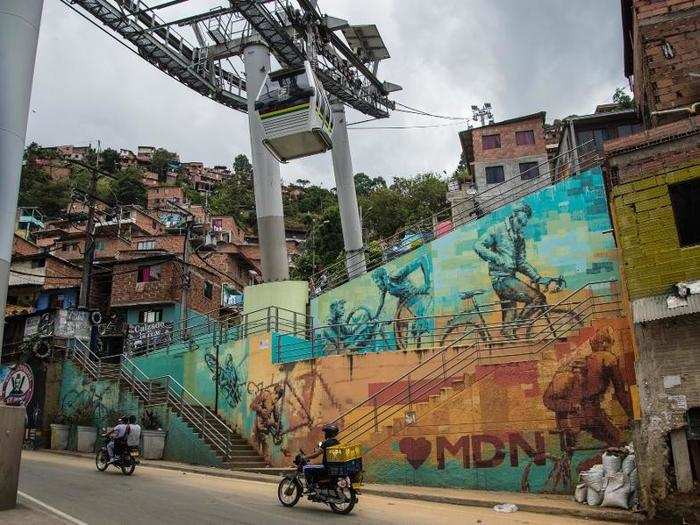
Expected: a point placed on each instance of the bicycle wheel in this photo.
(407, 329)
(461, 332)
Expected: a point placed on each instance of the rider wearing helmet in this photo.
(314, 472)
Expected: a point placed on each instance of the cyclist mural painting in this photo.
(363, 328)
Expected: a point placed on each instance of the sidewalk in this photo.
(540, 503)
(28, 514)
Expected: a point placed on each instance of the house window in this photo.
(494, 174)
(208, 289)
(100, 245)
(525, 138)
(529, 170)
(491, 141)
(685, 201)
(150, 316)
(217, 224)
(146, 245)
(38, 263)
(147, 274)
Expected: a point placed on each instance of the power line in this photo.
(410, 126)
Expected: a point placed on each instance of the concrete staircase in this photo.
(437, 381)
(229, 446)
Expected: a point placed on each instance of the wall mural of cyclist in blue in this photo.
(363, 327)
(487, 281)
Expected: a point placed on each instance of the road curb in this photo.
(578, 511)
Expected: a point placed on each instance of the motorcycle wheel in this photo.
(128, 469)
(101, 460)
(289, 491)
(345, 508)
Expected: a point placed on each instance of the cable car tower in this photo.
(324, 62)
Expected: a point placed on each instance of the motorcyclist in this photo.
(117, 437)
(133, 438)
(313, 473)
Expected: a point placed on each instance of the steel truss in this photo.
(222, 34)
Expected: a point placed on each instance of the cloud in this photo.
(559, 56)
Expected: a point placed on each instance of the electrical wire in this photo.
(427, 113)
(410, 126)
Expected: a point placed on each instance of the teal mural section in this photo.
(106, 401)
(555, 239)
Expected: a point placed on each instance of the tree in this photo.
(235, 196)
(109, 160)
(462, 173)
(37, 190)
(162, 160)
(623, 99)
(364, 185)
(128, 188)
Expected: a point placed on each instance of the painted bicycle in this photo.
(471, 319)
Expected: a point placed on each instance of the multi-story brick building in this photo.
(655, 200)
(503, 155)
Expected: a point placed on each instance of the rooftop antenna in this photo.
(483, 114)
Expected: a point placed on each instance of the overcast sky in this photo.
(561, 56)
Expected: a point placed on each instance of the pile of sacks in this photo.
(614, 483)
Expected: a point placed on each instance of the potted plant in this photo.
(60, 431)
(152, 436)
(86, 432)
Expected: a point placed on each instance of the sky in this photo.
(523, 56)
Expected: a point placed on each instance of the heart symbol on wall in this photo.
(416, 450)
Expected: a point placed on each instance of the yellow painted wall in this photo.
(646, 230)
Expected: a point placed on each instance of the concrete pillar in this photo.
(266, 174)
(347, 198)
(681, 461)
(19, 35)
(11, 439)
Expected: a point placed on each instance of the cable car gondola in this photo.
(295, 114)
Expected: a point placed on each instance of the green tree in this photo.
(109, 160)
(235, 196)
(364, 184)
(128, 188)
(623, 99)
(36, 188)
(162, 160)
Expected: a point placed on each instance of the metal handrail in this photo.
(338, 273)
(427, 382)
(471, 358)
(272, 320)
(436, 337)
(441, 352)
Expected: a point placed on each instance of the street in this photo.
(73, 486)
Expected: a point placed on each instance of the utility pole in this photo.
(483, 114)
(186, 266)
(19, 34)
(89, 258)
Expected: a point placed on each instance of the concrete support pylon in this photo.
(266, 174)
(347, 197)
(19, 36)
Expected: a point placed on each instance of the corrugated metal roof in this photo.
(653, 308)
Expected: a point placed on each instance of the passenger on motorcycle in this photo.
(313, 473)
(118, 437)
(133, 437)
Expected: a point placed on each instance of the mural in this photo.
(527, 415)
(491, 277)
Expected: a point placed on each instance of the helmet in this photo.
(330, 430)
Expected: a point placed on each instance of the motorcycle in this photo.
(126, 460)
(338, 488)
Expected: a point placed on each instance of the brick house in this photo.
(654, 179)
(503, 155)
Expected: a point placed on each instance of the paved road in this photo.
(73, 486)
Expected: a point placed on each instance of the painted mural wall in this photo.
(520, 421)
(554, 237)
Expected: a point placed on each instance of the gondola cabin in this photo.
(295, 114)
